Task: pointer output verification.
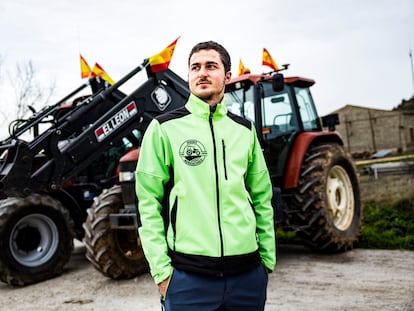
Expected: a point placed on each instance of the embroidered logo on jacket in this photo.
(192, 152)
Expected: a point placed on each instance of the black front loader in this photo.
(80, 136)
(44, 191)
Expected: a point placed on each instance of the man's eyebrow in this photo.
(211, 62)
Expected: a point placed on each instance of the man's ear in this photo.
(227, 77)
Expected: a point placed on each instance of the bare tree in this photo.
(29, 94)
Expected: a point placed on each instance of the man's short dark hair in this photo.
(211, 45)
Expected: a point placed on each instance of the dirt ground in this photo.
(356, 280)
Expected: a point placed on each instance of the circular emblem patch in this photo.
(192, 152)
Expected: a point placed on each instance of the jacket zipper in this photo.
(224, 159)
(210, 120)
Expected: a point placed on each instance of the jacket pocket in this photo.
(173, 219)
(164, 296)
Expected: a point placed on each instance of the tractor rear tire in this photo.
(116, 253)
(327, 211)
(36, 239)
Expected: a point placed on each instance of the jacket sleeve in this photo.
(260, 188)
(151, 176)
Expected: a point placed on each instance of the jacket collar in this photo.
(200, 108)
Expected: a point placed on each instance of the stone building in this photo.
(370, 130)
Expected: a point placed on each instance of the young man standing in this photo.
(211, 246)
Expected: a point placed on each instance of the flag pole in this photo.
(412, 68)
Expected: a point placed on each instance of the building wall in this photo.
(371, 130)
(408, 130)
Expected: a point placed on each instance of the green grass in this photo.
(388, 226)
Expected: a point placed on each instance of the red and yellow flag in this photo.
(267, 60)
(85, 69)
(97, 70)
(242, 69)
(161, 61)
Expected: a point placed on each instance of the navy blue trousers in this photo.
(195, 292)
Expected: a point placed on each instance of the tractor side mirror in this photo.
(278, 82)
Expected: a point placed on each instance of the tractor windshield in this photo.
(308, 114)
(281, 113)
(278, 116)
(241, 102)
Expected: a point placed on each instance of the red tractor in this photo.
(318, 183)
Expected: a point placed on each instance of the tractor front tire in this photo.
(116, 253)
(36, 239)
(327, 211)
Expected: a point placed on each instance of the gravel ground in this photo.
(360, 280)
(356, 280)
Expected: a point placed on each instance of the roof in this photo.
(354, 107)
(376, 111)
(348, 107)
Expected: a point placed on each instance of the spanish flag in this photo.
(97, 70)
(267, 60)
(85, 69)
(161, 61)
(242, 69)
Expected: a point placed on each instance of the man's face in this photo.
(206, 76)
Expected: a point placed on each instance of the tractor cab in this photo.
(280, 108)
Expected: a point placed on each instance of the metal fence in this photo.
(389, 168)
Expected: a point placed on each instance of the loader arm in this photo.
(82, 135)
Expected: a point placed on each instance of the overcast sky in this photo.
(357, 51)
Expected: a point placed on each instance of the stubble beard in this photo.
(211, 96)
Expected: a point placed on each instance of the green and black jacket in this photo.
(219, 219)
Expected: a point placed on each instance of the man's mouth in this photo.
(203, 82)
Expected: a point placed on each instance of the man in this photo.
(210, 247)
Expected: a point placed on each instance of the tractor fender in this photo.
(300, 146)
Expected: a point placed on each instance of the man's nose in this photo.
(203, 71)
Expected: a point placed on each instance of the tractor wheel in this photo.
(327, 210)
(36, 239)
(116, 253)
